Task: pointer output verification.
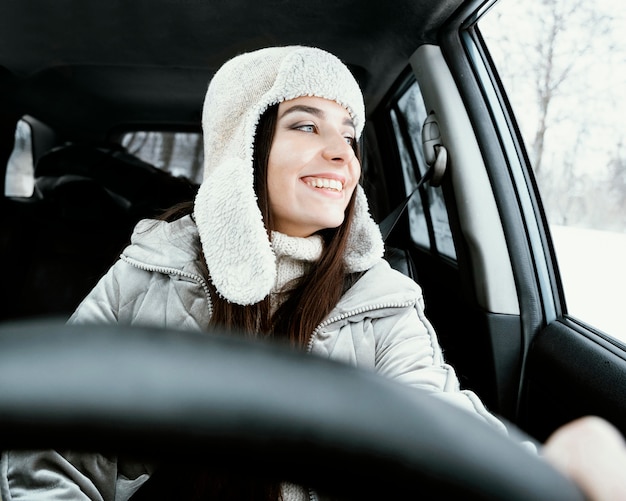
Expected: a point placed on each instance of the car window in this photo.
(428, 217)
(20, 173)
(563, 66)
(179, 153)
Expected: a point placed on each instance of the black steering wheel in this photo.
(344, 431)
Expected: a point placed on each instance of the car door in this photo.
(561, 213)
(570, 142)
(522, 288)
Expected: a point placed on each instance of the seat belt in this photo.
(436, 157)
(434, 174)
(387, 225)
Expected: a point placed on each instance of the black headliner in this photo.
(84, 60)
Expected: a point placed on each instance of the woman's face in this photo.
(312, 169)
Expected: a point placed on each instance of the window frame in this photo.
(534, 254)
(117, 136)
(392, 106)
(551, 388)
(552, 284)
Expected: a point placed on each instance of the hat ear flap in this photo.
(241, 262)
(365, 242)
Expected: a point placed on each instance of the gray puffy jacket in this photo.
(378, 324)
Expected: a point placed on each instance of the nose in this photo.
(338, 150)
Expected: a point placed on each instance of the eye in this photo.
(350, 140)
(306, 127)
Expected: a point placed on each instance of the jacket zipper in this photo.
(197, 278)
(328, 321)
(336, 318)
(174, 271)
(351, 313)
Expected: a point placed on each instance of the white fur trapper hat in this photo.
(239, 255)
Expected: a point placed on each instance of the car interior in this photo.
(80, 78)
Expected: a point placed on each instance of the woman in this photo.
(279, 217)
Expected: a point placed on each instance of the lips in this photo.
(324, 183)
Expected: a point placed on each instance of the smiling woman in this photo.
(278, 244)
(308, 271)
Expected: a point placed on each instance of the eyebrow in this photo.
(313, 111)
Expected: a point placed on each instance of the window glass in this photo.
(563, 65)
(415, 210)
(432, 228)
(179, 153)
(20, 174)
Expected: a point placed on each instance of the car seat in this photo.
(87, 201)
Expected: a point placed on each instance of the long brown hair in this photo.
(294, 321)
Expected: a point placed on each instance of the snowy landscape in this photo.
(593, 270)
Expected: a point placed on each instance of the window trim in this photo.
(522, 177)
(479, 216)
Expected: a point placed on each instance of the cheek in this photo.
(274, 169)
(275, 188)
(280, 178)
(355, 171)
(280, 157)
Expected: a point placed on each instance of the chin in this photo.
(331, 225)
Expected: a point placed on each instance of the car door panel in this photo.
(571, 373)
(567, 370)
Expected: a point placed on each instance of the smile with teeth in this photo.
(325, 183)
